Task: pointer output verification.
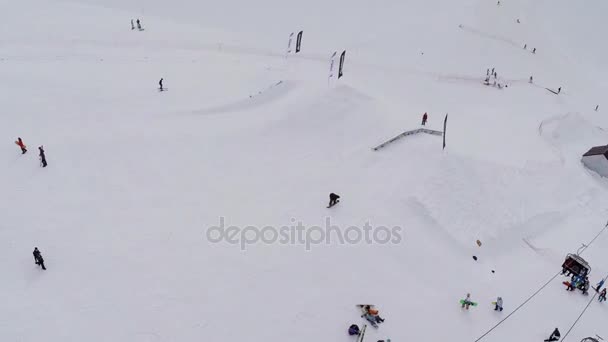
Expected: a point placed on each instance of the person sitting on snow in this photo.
(354, 330)
(372, 315)
(554, 336)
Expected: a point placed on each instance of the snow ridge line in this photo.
(406, 133)
(542, 287)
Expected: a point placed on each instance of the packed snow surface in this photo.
(247, 136)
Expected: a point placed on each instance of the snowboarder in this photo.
(602, 297)
(20, 143)
(42, 156)
(354, 330)
(160, 83)
(534, 51)
(132, 26)
(599, 285)
(559, 90)
(498, 304)
(333, 199)
(38, 258)
(138, 24)
(554, 336)
(467, 302)
(531, 81)
(424, 118)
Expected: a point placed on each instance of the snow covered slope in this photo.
(138, 179)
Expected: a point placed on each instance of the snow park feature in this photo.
(136, 178)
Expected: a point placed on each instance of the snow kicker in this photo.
(407, 133)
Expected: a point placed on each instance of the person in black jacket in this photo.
(554, 336)
(333, 199)
(42, 156)
(38, 258)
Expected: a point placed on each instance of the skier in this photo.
(372, 315)
(559, 90)
(534, 51)
(495, 75)
(160, 83)
(132, 26)
(531, 81)
(492, 71)
(597, 107)
(38, 258)
(554, 336)
(525, 46)
(498, 304)
(467, 301)
(519, 22)
(424, 118)
(354, 330)
(333, 199)
(20, 143)
(487, 72)
(138, 24)
(602, 297)
(42, 156)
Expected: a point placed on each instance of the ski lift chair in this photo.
(576, 265)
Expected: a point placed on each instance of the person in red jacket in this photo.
(20, 143)
(424, 118)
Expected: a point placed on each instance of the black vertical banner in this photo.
(299, 41)
(445, 126)
(342, 57)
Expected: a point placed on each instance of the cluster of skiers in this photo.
(493, 74)
(582, 283)
(41, 153)
(138, 25)
(526, 48)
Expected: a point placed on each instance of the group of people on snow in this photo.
(138, 25)
(19, 142)
(495, 83)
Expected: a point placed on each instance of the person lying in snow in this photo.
(371, 314)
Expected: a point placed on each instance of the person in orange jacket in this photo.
(20, 143)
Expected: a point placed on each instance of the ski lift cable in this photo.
(517, 308)
(541, 288)
(582, 313)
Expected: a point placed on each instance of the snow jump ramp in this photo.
(408, 133)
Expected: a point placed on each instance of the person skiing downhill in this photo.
(498, 304)
(38, 258)
(559, 90)
(554, 336)
(132, 26)
(602, 297)
(424, 118)
(160, 83)
(138, 25)
(20, 143)
(42, 156)
(534, 50)
(333, 199)
(532, 81)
